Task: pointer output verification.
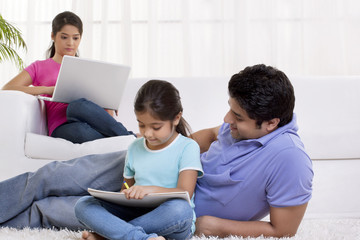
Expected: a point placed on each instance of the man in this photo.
(255, 162)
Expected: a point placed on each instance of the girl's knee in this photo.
(82, 204)
(181, 207)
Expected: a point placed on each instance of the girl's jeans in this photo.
(87, 121)
(172, 219)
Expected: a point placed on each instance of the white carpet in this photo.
(319, 229)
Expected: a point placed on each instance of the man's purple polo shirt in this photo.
(242, 179)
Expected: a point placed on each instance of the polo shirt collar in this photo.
(290, 127)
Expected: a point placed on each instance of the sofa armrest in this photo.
(21, 113)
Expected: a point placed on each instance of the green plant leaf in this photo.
(11, 39)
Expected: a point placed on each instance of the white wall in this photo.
(193, 38)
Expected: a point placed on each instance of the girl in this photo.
(163, 160)
(81, 120)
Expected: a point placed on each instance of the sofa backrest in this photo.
(204, 100)
(327, 110)
(328, 115)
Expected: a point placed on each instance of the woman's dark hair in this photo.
(264, 92)
(162, 100)
(60, 20)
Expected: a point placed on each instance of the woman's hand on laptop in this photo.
(112, 112)
(44, 90)
(49, 90)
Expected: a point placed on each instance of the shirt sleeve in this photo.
(31, 69)
(128, 169)
(290, 182)
(191, 158)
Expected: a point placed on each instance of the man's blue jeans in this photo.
(46, 198)
(172, 219)
(87, 121)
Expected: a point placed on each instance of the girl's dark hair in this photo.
(264, 92)
(60, 20)
(162, 100)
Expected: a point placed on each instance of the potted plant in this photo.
(10, 40)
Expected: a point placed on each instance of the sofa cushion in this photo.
(44, 147)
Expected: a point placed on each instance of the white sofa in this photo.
(327, 110)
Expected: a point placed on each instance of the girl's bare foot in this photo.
(91, 236)
(157, 238)
(94, 236)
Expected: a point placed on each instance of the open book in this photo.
(150, 200)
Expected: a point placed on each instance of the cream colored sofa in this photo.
(328, 116)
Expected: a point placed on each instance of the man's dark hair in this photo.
(264, 92)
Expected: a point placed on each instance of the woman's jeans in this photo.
(46, 198)
(87, 121)
(172, 219)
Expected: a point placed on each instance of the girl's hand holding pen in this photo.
(137, 192)
(126, 185)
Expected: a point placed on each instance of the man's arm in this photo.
(205, 137)
(283, 222)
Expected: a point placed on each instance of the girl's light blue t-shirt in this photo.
(162, 167)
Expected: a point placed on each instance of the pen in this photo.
(126, 185)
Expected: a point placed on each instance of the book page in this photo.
(150, 200)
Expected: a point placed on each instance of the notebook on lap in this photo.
(100, 82)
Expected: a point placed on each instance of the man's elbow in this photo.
(281, 233)
(286, 234)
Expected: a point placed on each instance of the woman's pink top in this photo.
(45, 73)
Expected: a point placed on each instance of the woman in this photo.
(81, 120)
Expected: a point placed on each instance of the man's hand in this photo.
(206, 225)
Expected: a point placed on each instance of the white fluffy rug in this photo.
(319, 229)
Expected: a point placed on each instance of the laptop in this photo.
(100, 82)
